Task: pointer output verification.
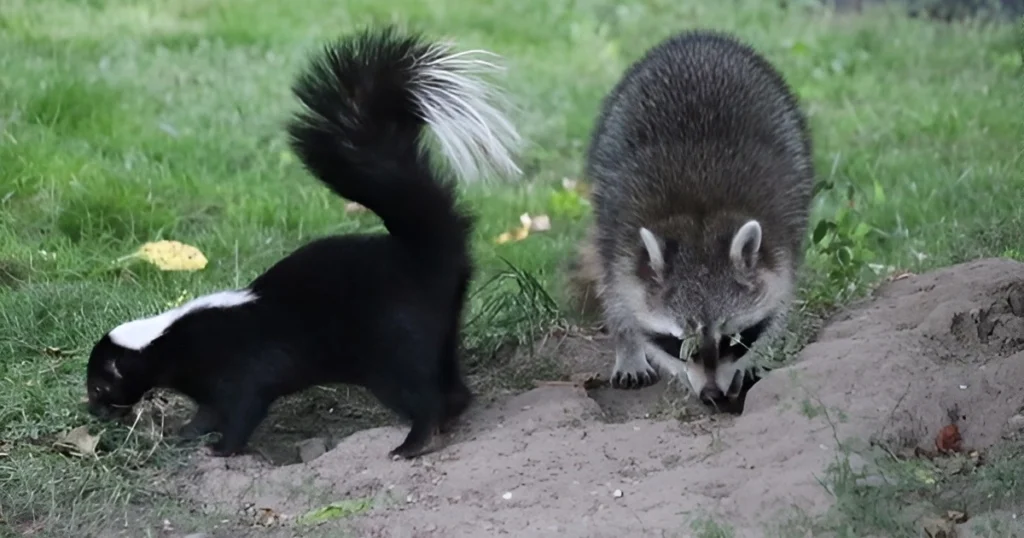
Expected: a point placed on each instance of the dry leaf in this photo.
(515, 235)
(949, 439)
(527, 223)
(353, 207)
(541, 223)
(956, 516)
(900, 276)
(53, 351)
(266, 517)
(78, 442)
(171, 256)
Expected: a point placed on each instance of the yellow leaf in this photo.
(78, 442)
(924, 476)
(172, 256)
(539, 224)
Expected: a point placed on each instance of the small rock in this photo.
(857, 463)
(311, 449)
(617, 493)
(507, 495)
(197, 535)
(1017, 422)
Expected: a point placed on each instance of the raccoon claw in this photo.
(634, 380)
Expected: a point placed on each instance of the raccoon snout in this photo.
(711, 395)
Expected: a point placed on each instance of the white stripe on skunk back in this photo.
(140, 333)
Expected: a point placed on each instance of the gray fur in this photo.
(699, 137)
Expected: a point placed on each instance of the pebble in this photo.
(311, 449)
(617, 493)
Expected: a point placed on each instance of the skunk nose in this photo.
(711, 395)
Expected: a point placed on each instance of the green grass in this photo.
(128, 121)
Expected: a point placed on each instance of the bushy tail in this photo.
(367, 98)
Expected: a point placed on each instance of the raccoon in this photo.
(701, 171)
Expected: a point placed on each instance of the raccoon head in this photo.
(710, 294)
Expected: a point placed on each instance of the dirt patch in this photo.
(557, 461)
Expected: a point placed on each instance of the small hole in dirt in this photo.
(328, 414)
(322, 414)
(657, 401)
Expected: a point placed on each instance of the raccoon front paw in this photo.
(644, 375)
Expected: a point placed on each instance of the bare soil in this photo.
(564, 461)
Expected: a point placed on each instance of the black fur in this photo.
(378, 311)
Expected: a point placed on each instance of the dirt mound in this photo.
(557, 461)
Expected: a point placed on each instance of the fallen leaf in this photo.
(516, 235)
(78, 442)
(925, 476)
(265, 517)
(948, 439)
(540, 223)
(171, 256)
(956, 516)
(900, 276)
(353, 207)
(336, 510)
(527, 223)
(53, 351)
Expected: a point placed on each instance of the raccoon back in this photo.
(701, 124)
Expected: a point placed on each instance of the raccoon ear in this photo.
(655, 249)
(745, 245)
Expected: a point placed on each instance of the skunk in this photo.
(380, 311)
